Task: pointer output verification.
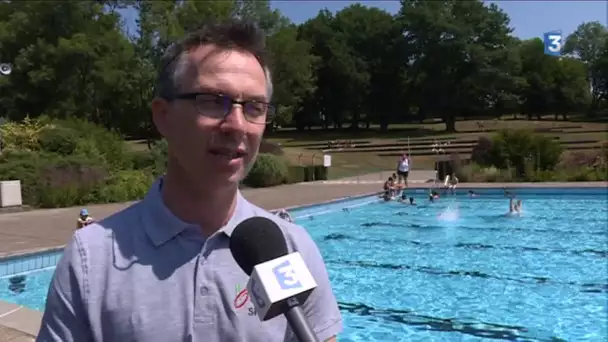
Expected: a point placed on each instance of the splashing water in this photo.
(449, 214)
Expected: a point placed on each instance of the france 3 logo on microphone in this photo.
(286, 276)
(553, 41)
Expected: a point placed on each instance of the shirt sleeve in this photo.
(65, 317)
(321, 308)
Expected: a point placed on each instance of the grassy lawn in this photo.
(376, 151)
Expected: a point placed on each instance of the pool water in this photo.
(33, 295)
(460, 270)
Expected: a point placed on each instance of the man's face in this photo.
(211, 150)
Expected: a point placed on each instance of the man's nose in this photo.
(234, 120)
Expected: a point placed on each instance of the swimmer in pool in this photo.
(389, 187)
(412, 201)
(285, 215)
(433, 195)
(472, 193)
(387, 196)
(514, 206)
(403, 197)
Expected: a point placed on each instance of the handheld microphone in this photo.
(279, 282)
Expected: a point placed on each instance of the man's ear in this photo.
(160, 112)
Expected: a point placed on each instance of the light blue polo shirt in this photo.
(144, 275)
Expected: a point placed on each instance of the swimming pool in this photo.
(460, 270)
(454, 270)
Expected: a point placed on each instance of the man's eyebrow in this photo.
(246, 97)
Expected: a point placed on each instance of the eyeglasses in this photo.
(217, 106)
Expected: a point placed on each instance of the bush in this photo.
(270, 147)
(69, 181)
(153, 161)
(21, 135)
(521, 148)
(268, 170)
(53, 181)
(96, 142)
(482, 151)
(577, 159)
(23, 166)
(73, 162)
(124, 186)
(58, 139)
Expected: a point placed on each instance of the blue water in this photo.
(457, 269)
(33, 295)
(460, 270)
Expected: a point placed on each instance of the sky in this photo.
(528, 18)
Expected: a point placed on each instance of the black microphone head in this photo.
(256, 240)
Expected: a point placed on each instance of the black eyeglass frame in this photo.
(229, 102)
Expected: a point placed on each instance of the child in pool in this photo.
(84, 219)
(514, 206)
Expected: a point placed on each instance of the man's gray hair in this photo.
(231, 35)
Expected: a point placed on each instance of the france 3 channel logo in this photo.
(553, 43)
(286, 276)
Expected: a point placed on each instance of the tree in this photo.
(358, 66)
(571, 88)
(293, 72)
(72, 65)
(601, 72)
(458, 54)
(331, 72)
(587, 43)
(539, 71)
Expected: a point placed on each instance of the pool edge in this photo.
(30, 252)
(333, 201)
(21, 319)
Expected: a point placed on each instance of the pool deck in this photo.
(37, 230)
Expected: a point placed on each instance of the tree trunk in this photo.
(450, 122)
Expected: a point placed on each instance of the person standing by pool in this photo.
(403, 168)
(453, 182)
(162, 270)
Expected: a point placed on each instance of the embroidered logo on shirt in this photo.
(242, 298)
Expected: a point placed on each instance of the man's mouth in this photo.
(228, 153)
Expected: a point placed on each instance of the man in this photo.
(403, 168)
(161, 270)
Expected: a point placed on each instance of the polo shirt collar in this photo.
(161, 225)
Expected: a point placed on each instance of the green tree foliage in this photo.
(359, 66)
